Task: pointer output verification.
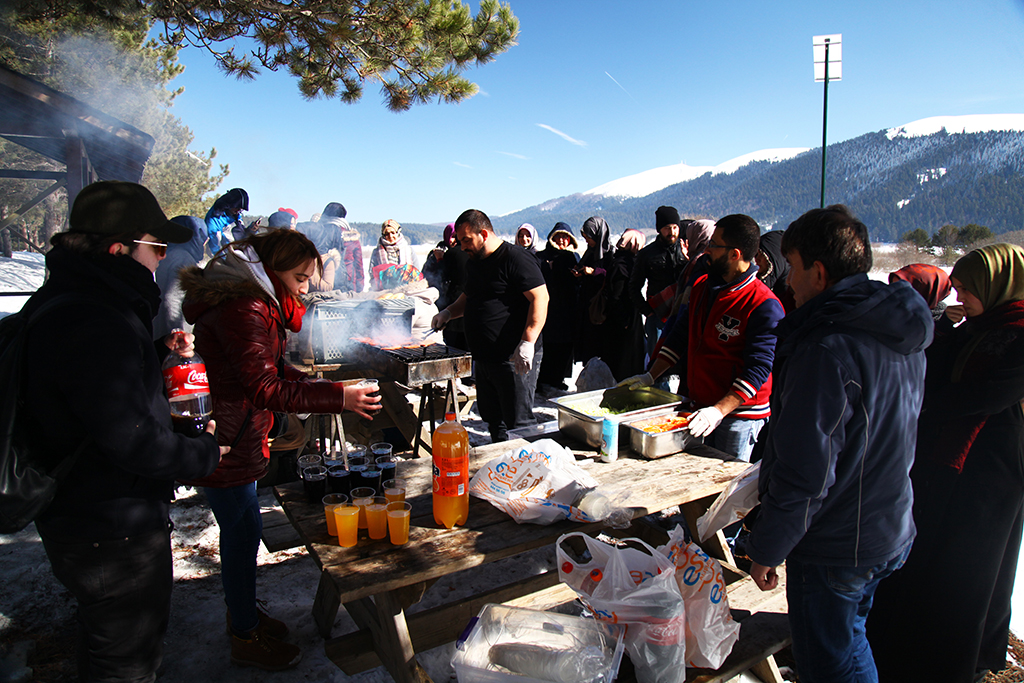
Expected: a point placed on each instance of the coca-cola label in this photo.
(185, 380)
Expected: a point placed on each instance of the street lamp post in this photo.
(828, 51)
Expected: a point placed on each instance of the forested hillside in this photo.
(894, 185)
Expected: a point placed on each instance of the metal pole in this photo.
(824, 128)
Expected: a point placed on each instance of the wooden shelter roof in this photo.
(42, 119)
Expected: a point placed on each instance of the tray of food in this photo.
(582, 415)
(656, 437)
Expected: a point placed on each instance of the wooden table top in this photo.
(374, 567)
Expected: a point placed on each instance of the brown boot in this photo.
(264, 651)
(271, 626)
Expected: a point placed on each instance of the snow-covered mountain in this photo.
(924, 174)
(647, 182)
(972, 123)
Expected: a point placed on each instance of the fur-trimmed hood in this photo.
(232, 275)
(564, 233)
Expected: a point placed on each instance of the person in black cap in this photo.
(658, 265)
(93, 385)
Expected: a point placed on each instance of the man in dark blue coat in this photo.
(835, 479)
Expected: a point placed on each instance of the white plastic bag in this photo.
(543, 484)
(633, 585)
(732, 504)
(595, 375)
(710, 629)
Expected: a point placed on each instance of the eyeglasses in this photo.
(159, 247)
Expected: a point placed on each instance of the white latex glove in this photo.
(522, 359)
(637, 381)
(440, 320)
(704, 421)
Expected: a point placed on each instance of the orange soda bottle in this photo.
(451, 473)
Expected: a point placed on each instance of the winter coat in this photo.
(659, 265)
(179, 257)
(379, 256)
(92, 374)
(624, 328)
(351, 249)
(563, 289)
(849, 380)
(240, 334)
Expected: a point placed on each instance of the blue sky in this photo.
(598, 90)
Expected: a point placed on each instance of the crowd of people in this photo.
(889, 426)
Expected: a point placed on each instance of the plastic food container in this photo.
(658, 444)
(581, 416)
(545, 647)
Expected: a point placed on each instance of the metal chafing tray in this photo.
(574, 421)
(654, 446)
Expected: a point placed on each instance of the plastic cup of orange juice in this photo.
(361, 497)
(377, 517)
(346, 519)
(399, 513)
(394, 490)
(330, 500)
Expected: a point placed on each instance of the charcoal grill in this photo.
(415, 366)
(419, 366)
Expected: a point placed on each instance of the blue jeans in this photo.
(238, 514)
(828, 607)
(736, 436)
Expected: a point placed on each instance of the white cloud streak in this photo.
(461, 164)
(562, 135)
(620, 85)
(514, 156)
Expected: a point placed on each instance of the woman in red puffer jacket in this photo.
(243, 303)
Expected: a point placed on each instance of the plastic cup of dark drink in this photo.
(356, 450)
(388, 467)
(314, 481)
(379, 449)
(358, 464)
(338, 480)
(371, 479)
(304, 461)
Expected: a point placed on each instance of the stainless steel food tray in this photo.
(654, 446)
(587, 428)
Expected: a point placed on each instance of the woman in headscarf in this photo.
(931, 282)
(945, 615)
(392, 247)
(526, 237)
(347, 242)
(591, 272)
(624, 327)
(773, 268)
(558, 261)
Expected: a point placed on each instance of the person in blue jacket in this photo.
(835, 485)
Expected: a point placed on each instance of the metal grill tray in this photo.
(416, 366)
(587, 428)
(658, 445)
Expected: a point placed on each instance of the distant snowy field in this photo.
(22, 273)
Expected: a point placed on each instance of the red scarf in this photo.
(291, 308)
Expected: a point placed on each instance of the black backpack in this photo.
(26, 487)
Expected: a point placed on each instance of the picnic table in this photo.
(377, 581)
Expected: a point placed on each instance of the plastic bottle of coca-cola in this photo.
(188, 391)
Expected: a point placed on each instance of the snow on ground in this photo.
(22, 273)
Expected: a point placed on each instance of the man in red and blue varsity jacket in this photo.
(726, 342)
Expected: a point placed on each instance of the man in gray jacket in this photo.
(835, 478)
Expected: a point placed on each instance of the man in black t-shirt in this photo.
(505, 305)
